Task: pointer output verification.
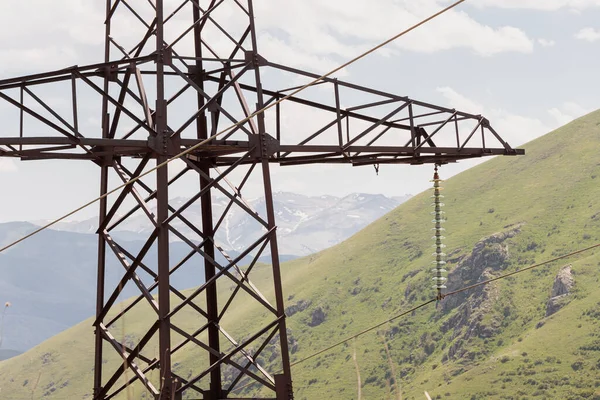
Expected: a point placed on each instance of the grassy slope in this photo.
(553, 191)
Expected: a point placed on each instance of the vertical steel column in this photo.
(98, 340)
(164, 330)
(283, 381)
(100, 284)
(212, 305)
(162, 213)
(211, 290)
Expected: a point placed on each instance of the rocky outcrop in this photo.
(488, 255)
(564, 281)
(293, 345)
(468, 321)
(318, 317)
(297, 307)
(559, 297)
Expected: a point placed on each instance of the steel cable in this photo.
(411, 310)
(466, 288)
(205, 141)
(519, 271)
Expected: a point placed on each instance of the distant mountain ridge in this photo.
(51, 278)
(306, 224)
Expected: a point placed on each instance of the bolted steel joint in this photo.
(164, 56)
(264, 145)
(254, 59)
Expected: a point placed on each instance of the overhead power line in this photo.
(464, 289)
(417, 307)
(326, 349)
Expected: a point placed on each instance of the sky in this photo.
(529, 66)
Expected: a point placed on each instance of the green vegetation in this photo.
(492, 342)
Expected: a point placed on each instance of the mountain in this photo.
(306, 224)
(50, 279)
(532, 335)
(41, 281)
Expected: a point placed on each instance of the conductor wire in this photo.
(464, 289)
(413, 309)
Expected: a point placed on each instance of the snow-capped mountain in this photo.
(305, 224)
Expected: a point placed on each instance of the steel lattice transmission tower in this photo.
(175, 73)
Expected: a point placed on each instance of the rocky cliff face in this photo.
(488, 256)
(563, 284)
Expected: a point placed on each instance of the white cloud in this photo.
(544, 5)
(175, 167)
(277, 50)
(57, 34)
(341, 28)
(7, 165)
(514, 128)
(302, 33)
(575, 109)
(459, 101)
(567, 112)
(546, 42)
(311, 34)
(588, 34)
(517, 129)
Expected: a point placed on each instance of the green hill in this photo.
(491, 342)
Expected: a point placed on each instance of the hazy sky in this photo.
(528, 65)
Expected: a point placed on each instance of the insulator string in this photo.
(439, 255)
